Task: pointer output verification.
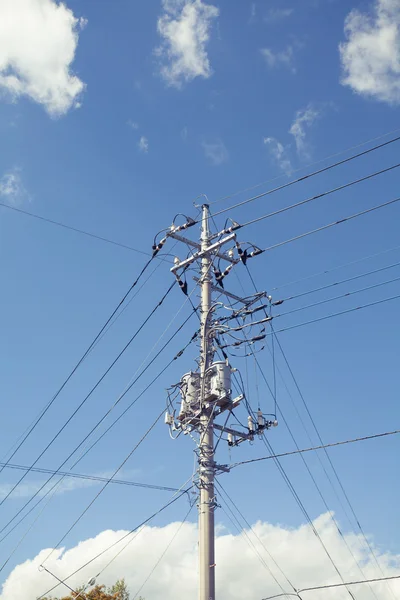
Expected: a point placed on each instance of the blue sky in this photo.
(116, 116)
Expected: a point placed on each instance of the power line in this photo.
(88, 396)
(253, 187)
(90, 504)
(327, 456)
(334, 585)
(98, 439)
(321, 195)
(42, 413)
(329, 285)
(95, 478)
(75, 229)
(347, 295)
(321, 447)
(129, 533)
(337, 314)
(308, 176)
(333, 224)
(326, 272)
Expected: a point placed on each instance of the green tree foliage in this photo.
(118, 591)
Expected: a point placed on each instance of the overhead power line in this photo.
(334, 585)
(343, 266)
(333, 224)
(303, 168)
(347, 280)
(121, 539)
(95, 478)
(121, 396)
(89, 394)
(308, 176)
(337, 314)
(42, 413)
(322, 447)
(75, 229)
(321, 195)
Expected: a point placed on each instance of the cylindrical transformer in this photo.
(220, 382)
(190, 393)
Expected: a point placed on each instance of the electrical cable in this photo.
(314, 448)
(76, 367)
(129, 533)
(222, 489)
(318, 196)
(75, 229)
(334, 585)
(52, 490)
(353, 262)
(94, 478)
(325, 450)
(330, 285)
(324, 227)
(168, 546)
(83, 402)
(253, 187)
(337, 314)
(308, 176)
(90, 504)
(348, 294)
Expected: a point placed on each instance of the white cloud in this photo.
(371, 54)
(279, 154)
(12, 188)
(185, 28)
(143, 144)
(184, 133)
(133, 124)
(278, 14)
(239, 571)
(304, 120)
(38, 41)
(275, 59)
(216, 152)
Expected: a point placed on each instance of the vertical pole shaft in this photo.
(206, 450)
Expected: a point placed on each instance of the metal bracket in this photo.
(196, 245)
(202, 253)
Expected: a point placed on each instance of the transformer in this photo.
(190, 394)
(218, 383)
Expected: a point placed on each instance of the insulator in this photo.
(260, 419)
(250, 424)
(275, 423)
(231, 439)
(277, 302)
(182, 285)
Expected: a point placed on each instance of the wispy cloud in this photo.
(185, 29)
(279, 153)
(37, 48)
(370, 56)
(12, 188)
(184, 133)
(215, 151)
(143, 144)
(304, 119)
(133, 124)
(276, 59)
(278, 14)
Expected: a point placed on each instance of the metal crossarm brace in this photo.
(203, 253)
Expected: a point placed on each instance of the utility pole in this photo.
(206, 445)
(206, 392)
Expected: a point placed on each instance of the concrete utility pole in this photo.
(206, 445)
(206, 392)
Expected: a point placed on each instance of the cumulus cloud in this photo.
(215, 151)
(185, 28)
(239, 571)
(283, 58)
(304, 119)
(370, 56)
(38, 42)
(12, 188)
(279, 153)
(143, 144)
